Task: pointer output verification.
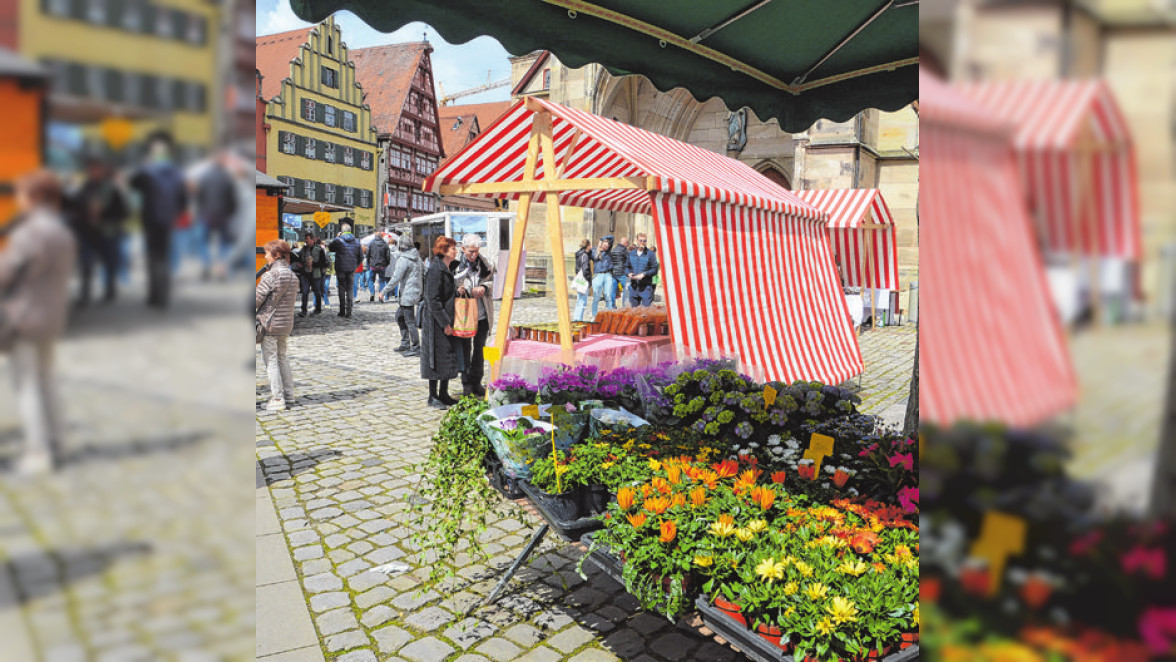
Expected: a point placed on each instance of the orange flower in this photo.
(698, 496)
(661, 485)
(645, 491)
(863, 541)
(880, 567)
(726, 468)
(745, 480)
(839, 478)
(674, 473)
(679, 500)
(658, 505)
(709, 478)
(625, 497)
(637, 520)
(778, 477)
(1035, 591)
(668, 531)
(763, 496)
(808, 471)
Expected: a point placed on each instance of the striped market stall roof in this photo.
(848, 210)
(1076, 160)
(746, 264)
(991, 345)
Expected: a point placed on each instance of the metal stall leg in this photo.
(514, 567)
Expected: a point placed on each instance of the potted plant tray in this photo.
(571, 529)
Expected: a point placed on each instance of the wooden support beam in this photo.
(555, 238)
(546, 185)
(516, 254)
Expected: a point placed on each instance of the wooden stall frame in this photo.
(552, 184)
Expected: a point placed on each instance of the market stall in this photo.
(1005, 361)
(1078, 173)
(269, 203)
(861, 230)
(779, 311)
(23, 86)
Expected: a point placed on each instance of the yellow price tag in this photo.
(1001, 536)
(490, 354)
(819, 446)
(322, 218)
(531, 411)
(769, 396)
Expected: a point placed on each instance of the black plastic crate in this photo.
(569, 530)
(755, 647)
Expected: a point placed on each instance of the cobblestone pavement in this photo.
(138, 549)
(1122, 375)
(338, 468)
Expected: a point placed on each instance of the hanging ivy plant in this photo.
(453, 500)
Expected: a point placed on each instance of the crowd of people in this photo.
(427, 292)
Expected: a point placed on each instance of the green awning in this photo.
(795, 60)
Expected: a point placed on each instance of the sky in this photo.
(455, 67)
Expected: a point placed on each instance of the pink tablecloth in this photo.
(606, 351)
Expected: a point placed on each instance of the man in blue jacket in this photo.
(643, 267)
(164, 198)
(348, 255)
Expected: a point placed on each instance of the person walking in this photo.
(602, 279)
(583, 268)
(313, 258)
(474, 277)
(216, 205)
(327, 274)
(643, 266)
(440, 351)
(379, 257)
(273, 304)
(99, 211)
(35, 269)
(408, 279)
(164, 199)
(620, 267)
(348, 258)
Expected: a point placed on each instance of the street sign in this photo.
(117, 132)
(321, 218)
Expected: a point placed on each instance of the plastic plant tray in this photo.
(604, 560)
(571, 531)
(755, 647)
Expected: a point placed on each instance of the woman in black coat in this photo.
(440, 355)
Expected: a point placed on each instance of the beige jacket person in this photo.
(35, 271)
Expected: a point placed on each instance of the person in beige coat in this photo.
(35, 271)
(274, 301)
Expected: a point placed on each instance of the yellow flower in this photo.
(606, 465)
(816, 592)
(804, 569)
(770, 570)
(789, 612)
(744, 535)
(915, 617)
(825, 627)
(724, 527)
(902, 552)
(835, 543)
(704, 561)
(842, 610)
(855, 567)
(655, 465)
(757, 525)
(791, 588)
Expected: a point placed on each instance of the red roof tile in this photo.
(454, 138)
(386, 73)
(274, 53)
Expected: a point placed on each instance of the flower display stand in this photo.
(758, 648)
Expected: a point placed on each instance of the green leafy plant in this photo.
(453, 500)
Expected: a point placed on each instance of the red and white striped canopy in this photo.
(991, 346)
(847, 209)
(747, 268)
(1076, 160)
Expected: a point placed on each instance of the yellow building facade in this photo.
(150, 61)
(320, 140)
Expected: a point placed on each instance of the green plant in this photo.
(453, 499)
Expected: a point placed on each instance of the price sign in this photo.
(321, 218)
(1001, 536)
(769, 396)
(819, 447)
(117, 132)
(490, 354)
(531, 411)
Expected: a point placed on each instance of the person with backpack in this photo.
(348, 258)
(620, 271)
(164, 200)
(408, 277)
(313, 261)
(379, 256)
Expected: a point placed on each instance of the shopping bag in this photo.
(465, 317)
(580, 284)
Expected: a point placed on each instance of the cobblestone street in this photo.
(137, 549)
(333, 473)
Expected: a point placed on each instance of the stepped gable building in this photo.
(399, 80)
(320, 139)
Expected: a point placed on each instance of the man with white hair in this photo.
(474, 276)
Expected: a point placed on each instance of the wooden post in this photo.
(516, 253)
(868, 277)
(555, 238)
(1087, 221)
